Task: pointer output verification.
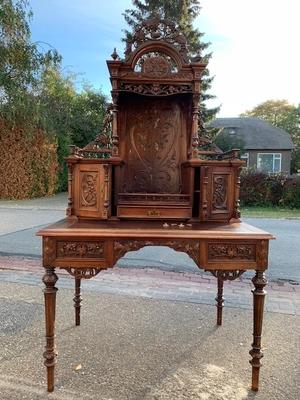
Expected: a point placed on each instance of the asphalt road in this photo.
(20, 220)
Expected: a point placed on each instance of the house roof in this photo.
(256, 133)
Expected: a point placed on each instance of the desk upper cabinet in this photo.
(153, 160)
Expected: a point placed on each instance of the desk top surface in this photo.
(152, 229)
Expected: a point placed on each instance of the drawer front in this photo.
(154, 212)
(232, 254)
(66, 252)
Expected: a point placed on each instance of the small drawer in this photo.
(151, 212)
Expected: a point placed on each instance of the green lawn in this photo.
(270, 212)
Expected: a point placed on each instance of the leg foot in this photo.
(77, 300)
(220, 301)
(50, 290)
(259, 293)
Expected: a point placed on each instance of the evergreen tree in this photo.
(182, 12)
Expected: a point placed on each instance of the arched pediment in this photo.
(157, 49)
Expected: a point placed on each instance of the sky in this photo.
(255, 45)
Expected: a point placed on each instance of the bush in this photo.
(28, 164)
(261, 189)
(291, 192)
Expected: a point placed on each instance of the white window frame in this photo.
(277, 156)
(245, 157)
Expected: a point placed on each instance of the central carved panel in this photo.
(153, 133)
(220, 184)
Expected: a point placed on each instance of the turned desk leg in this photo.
(50, 290)
(77, 300)
(259, 293)
(220, 301)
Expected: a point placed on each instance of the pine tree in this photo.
(182, 12)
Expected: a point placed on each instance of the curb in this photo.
(156, 284)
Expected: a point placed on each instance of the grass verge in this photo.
(270, 212)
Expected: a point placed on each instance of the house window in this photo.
(245, 157)
(269, 162)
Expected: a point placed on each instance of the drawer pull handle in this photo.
(153, 213)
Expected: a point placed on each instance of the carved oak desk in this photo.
(152, 177)
(85, 247)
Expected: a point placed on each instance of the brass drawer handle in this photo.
(153, 213)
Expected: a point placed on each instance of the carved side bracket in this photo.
(84, 273)
(121, 247)
(227, 275)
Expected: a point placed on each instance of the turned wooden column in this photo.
(220, 301)
(77, 300)
(259, 293)
(195, 135)
(50, 290)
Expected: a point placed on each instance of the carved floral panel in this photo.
(231, 251)
(88, 189)
(80, 249)
(156, 89)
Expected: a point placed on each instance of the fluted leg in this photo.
(259, 293)
(77, 300)
(50, 290)
(220, 301)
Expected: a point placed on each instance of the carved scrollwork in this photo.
(80, 249)
(88, 189)
(220, 184)
(227, 275)
(49, 251)
(220, 251)
(84, 273)
(156, 29)
(262, 254)
(191, 248)
(155, 89)
(156, 67)
(174, 75)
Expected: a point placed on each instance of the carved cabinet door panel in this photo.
(217, 193)
(92, 193)
(154, 145)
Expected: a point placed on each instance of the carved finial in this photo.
(198, 56)
(115, 55)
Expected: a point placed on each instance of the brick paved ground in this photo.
(152, 283)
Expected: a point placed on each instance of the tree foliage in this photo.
(184, 13)
(227, 142)
(284, 115)
(21, 60)
(35, 96)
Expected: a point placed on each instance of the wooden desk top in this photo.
(152, 229)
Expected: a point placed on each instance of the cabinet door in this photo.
(217, 193)
(91, 190)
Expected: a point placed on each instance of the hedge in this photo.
(262, 189)
(28, 163)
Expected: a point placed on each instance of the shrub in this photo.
(261, 189)
(28, 163)
(291, 192)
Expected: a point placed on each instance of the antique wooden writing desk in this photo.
(152, 178)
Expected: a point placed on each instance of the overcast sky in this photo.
(255, 45)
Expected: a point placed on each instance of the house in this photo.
(266, 147)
